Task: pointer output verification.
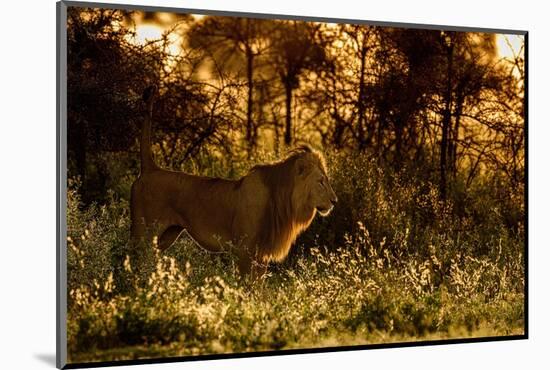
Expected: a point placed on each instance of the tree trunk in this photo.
(361, 102)
(379, 136)
(81, 157)
(456, 129)
(249, 106)
(446, 124)
(398, 160)
(288, 122)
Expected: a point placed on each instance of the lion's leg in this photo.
(250, 267)
(244, 264)
(140, 238)
(258, 270)
(139, 253)
(137, 215)
(125, 273)
(169, 236)
(137, 230)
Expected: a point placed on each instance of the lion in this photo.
(258, 217)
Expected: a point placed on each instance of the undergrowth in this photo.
(392, 263)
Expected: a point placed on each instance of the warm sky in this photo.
(508, 45)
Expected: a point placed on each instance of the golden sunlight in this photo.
(198, 17)
(510, 46)
(149, 32)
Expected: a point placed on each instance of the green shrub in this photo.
(393, 262)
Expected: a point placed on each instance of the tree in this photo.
(105, 76)
(343, 88)
(230, 41)
(107, 72)
(469, 74)
(297, 48)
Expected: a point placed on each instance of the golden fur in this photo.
(258, 216)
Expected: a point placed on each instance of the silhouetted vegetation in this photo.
(424, 135)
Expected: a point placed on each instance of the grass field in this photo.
(393, 263)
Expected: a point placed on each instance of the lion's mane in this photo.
(283, 219)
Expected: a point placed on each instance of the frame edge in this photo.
(307, 18)
(61, 185)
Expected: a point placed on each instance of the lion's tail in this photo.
(147, 163)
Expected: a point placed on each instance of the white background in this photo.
(27, 182)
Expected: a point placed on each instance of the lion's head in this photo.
(312, 190)
(299, 188)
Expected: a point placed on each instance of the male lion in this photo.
(260, 215)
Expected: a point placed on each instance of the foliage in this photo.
(400, 264)
(238, 86)
(424, 135)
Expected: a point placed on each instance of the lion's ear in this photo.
(302, 167)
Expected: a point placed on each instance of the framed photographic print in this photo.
(234, 184)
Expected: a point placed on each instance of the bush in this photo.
(393, 262)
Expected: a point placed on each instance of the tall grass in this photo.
(393, 262)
